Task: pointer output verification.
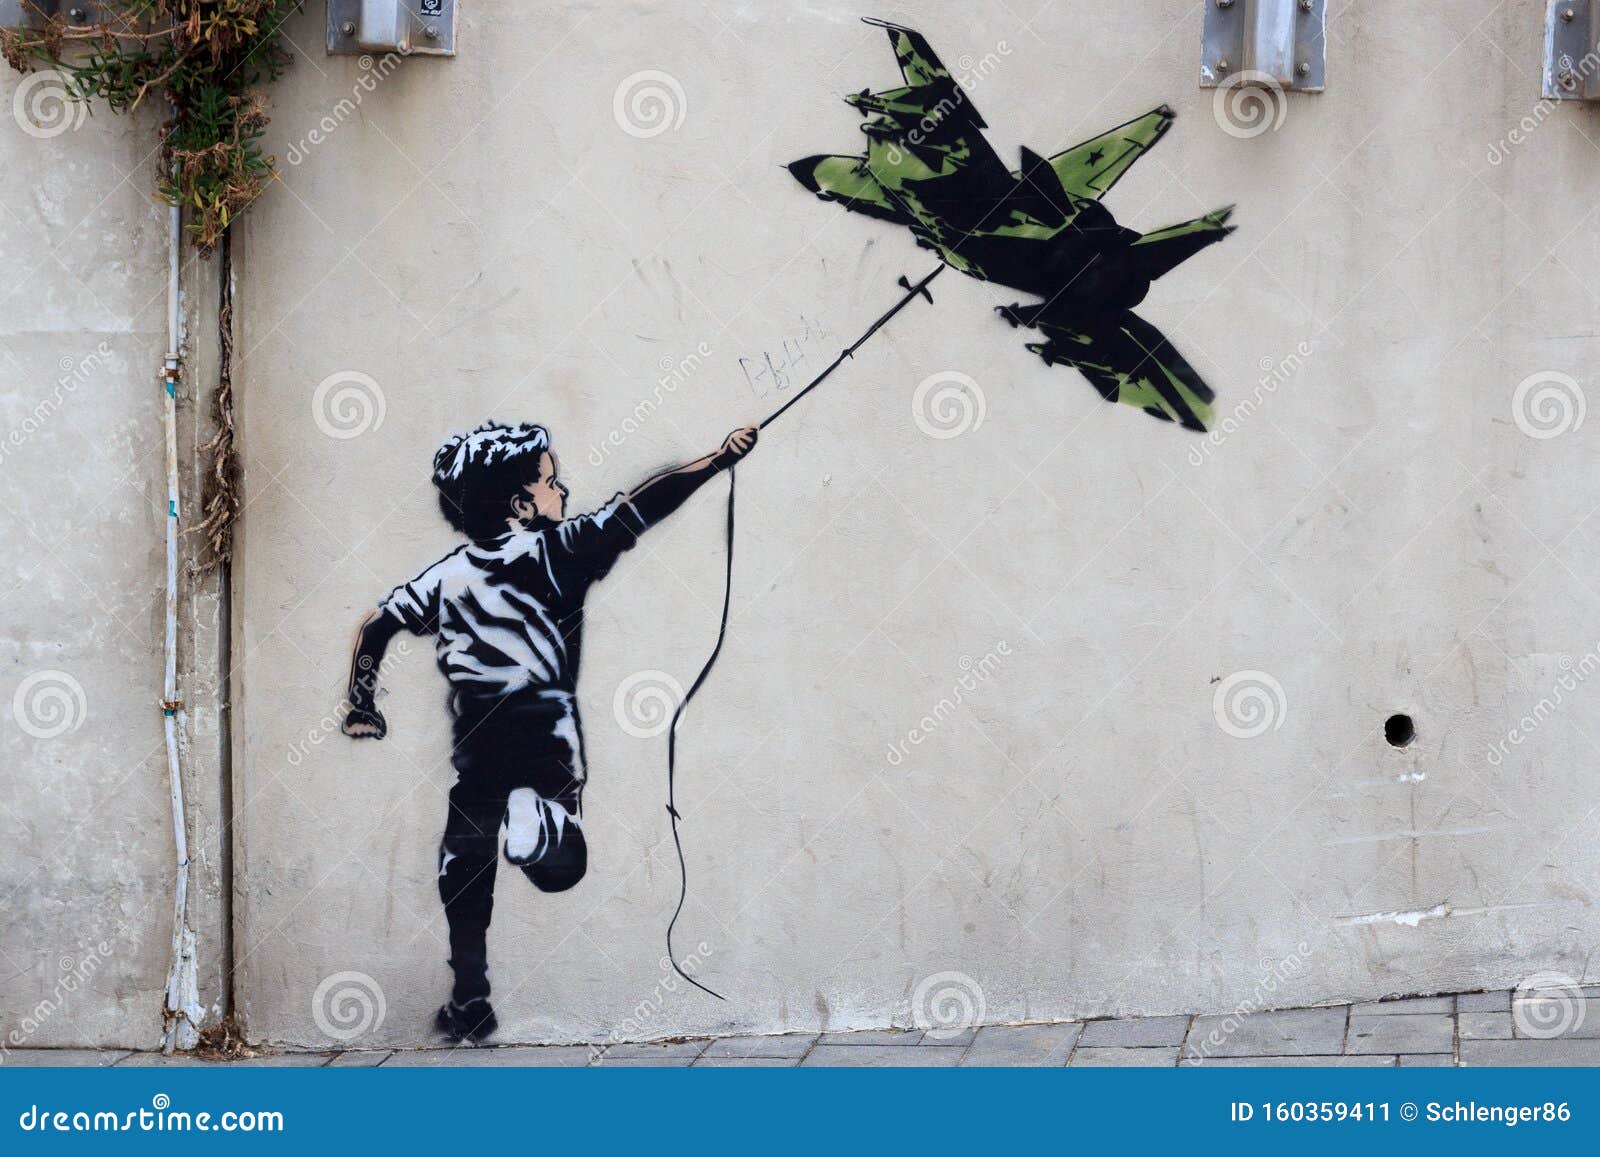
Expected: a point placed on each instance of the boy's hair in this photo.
(478, 474)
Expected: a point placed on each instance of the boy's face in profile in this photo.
(546, 497)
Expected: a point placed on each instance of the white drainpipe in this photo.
(183, 1012)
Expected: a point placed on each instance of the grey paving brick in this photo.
(186, 1061)
(283, 1061)
(1484, 1001)
(1264, 1034)
(1421, 1005)
(1023, 1045)
(1133, 1058)
(554, 1056)
(1419, 1033)
(1537, 1017)
(747, 1063)
(661, 1062)
(648, 1052)
(1485, 1025)
(362, 1059)
(1135, 1032)
(873, 1036)
(1525, 1053)
(157, 1060)
(61, 1058)
(880, 1056)
(1343, 1061)
(955, 1040)
(789, 1045)
(1428, 1061)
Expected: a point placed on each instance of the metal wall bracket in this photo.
(406, 27)
(1273, 43)
(1571, 58)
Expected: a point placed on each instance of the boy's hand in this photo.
(365, 723)
(737, 445)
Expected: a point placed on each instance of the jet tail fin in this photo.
(1128, 360)
(1039, 179)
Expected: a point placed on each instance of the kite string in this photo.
(920, 289)
(672, 750)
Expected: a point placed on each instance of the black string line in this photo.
(920, 289)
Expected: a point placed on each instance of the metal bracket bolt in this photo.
(402, 27)
(1571, 60)
(1274, 43)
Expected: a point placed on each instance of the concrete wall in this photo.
(86, 882)
(1087, 831)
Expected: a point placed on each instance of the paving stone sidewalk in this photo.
(1481, 1028)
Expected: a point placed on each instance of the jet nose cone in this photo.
(805, 171)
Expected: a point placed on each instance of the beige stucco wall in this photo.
(1080, 836)
(86, 878)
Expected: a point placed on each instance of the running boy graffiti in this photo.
(506, 611)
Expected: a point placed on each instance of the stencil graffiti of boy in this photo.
(506, 611)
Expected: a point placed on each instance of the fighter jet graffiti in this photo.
(1041, 229)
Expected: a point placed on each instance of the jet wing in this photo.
(918, 64)
(929, 91)
(1091, 168)
(1129, 361)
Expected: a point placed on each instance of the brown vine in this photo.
(221, 508)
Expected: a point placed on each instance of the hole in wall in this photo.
(1399, 730)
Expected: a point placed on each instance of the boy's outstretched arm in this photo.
(658, 497)
(364, 720)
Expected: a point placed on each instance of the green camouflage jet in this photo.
(1041, 230)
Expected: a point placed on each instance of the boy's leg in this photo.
(466, 882)
(544, 811)
(544, 837)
